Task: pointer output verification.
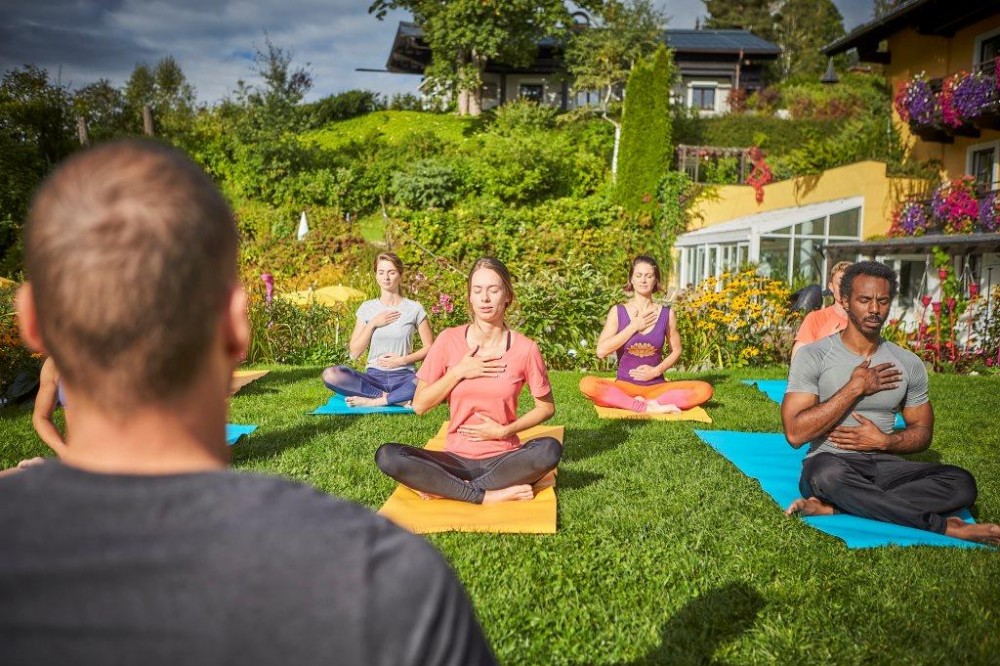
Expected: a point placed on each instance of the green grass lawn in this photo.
(665, 553)
(394, 127)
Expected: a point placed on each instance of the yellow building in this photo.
(804, 225)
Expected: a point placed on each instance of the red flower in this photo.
(951, 304)
(943, 273)
(926, 300)
(936, 306)
(973, 289)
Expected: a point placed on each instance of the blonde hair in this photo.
(130, 250)
(497, 266)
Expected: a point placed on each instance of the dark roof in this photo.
(719, 41)
(958, 243)
(940, 18)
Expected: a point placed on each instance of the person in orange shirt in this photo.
(480, 369)
(824, 322)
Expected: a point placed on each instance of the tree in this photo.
(464, 34)
(752, 15)
(882, 7)
(102, 106)
(165, 89)
(803, 27)
(36, 132)
(600, 57)
(647, 145)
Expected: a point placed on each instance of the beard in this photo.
(859, 323)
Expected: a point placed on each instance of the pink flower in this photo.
(268, 280)
(926, 300)
(435, 309)
(448, 307)
(936, 306)
(951, 304)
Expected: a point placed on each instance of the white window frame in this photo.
(714, 85)
(978, 45)
(986, 145)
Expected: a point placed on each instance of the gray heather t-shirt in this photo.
(825, 366)
(394, 338)
(218, 568)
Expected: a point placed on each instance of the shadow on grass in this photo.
(267, 444)
(929, 456)
(274, 380)
(570, 479)
(583, 443)
(705, 624)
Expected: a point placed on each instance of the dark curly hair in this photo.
(871, 269)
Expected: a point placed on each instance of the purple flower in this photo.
(971, 95)
(268, 281)
(914, 219)
(989, 212)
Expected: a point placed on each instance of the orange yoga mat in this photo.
(538, 516)
(243, 377)
(693, 414)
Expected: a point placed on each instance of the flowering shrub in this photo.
(914, 101)
(954, 204)
(14, 356)
(761, 173)
(964, 97)
(738, 319)
(282, 332)
(989, 212)
(448, 311)
(910, 219)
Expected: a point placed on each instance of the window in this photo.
(703, 97)
(845, 223)
(490, 90)
(981, 165)
(533, 92)
(989, 48)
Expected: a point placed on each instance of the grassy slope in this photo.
(394, 127)
(665, 554)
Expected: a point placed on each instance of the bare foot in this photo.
(511, 494)
(653, 407)
(357, 401)
(546, 481)
(810, 507)
(427, 496)
(987, 533)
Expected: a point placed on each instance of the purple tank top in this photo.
(642, 348)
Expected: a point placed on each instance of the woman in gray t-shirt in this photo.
(385, 327)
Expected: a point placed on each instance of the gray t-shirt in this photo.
(394, 338)
(219, 568)
(825, 366)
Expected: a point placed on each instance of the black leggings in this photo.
(468, 479)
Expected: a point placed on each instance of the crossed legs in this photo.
(656, 398)
(508, 476)
(371, 388)
(888, 488)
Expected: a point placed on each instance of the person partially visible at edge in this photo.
(826, 321)
(138, 545)
(480, 369)
(385, 328)
(841, 396)
(638, 332)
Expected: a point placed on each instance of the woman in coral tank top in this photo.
(480, 369)
(637, 331)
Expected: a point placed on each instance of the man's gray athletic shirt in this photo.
(825, 366)
(217, 568)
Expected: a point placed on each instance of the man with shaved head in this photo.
(138, 546)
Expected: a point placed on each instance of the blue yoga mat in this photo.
(235, 432)
(336, 405)
(775, 390)
(770, 459)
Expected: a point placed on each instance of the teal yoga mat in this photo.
(775, 390)
(235, 432)
(336, 405)
(771, 460)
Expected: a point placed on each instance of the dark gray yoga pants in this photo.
(468, 479)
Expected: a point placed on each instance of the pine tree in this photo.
(752, 15)
(647, 145)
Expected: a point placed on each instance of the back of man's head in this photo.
(869, 269)
(131, 255)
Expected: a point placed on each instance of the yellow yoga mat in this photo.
(693, 414)
(243, 377)
(538, 516)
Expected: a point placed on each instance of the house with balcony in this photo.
(711, 64)
(941, 58)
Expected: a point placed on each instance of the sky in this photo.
(82, 41)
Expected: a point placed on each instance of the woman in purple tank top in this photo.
(637, 332)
